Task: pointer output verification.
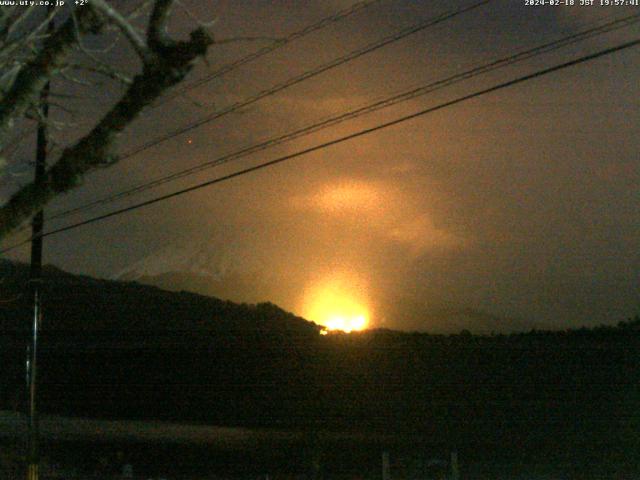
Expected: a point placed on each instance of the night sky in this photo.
(517, 209)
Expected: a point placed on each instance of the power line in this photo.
(369, 108)
(325, 22)
(307, 75)
(343, 139)
(302, 77)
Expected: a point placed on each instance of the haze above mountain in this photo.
(225, 272)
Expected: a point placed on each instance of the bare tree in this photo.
(30, 56)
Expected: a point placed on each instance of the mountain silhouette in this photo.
(123, 350)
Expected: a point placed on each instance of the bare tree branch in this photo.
(127, 29)
(73, 79)
(13, 144)
(6, 19)
(105, 71)
(195, 19)
(138, 10)
(157, 30)
(166, 64)
(89, 52)
(11, 45)
(17, 20)
(34, 75)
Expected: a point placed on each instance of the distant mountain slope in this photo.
(217, 269)
(124, 350)
(208, 268)
(78, 304)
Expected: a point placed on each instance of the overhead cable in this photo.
(355, 113)
(336, 141)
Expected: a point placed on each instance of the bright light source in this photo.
(337, 304)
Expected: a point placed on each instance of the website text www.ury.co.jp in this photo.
(40, 3)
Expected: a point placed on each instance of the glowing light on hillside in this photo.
(346, 324)
(337, 304)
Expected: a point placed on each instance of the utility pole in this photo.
(35, 281)
(455, 468)
(386, 466)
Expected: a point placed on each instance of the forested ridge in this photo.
(125, 350)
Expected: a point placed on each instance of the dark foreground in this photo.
(565, 404)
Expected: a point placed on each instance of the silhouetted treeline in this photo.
(124, 350)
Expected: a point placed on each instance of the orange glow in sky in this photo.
(359, 196)
(337, 303)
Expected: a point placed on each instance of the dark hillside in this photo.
(123, 350)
